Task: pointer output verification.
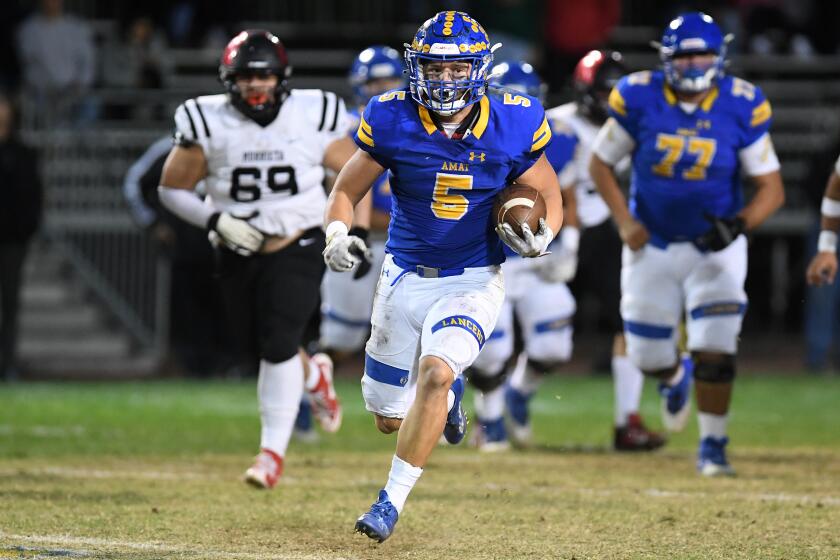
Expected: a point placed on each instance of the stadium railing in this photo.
(88, 223)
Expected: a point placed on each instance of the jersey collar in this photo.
(477, 129)
(705, 105)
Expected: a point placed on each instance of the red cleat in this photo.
(324, 401)
(266, 471)
(636, 437)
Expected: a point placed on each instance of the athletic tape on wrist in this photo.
(336, 228)
(827, 242)
(830, 208)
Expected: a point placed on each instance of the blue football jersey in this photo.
(381, 188)
(442, 188)
(686, 164)
(561, 150)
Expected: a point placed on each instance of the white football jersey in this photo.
(273, 173)
(565, 119)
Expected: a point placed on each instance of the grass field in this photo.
(150, 470)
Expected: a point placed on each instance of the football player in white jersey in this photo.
(261, 149)
(536, 296)
(599, 269)
(347, 299)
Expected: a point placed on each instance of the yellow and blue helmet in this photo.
(519, 76)
(692, 33)
(374, 63)
(446, 37)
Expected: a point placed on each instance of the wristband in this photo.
(570, 238)
(360, 232)
(830, 208)
(827, 242)
(336, 228)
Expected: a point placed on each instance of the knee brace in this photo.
(543, 367)
(719, 370)
(485, 382)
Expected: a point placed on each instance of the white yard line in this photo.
(155, 547)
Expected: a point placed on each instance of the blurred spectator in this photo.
(136, 60)
(10, 17)
(139, 60)
(57, 60)
(573, 28)
(20, 215)
(822, 303)
(197, 326)
(776, 26)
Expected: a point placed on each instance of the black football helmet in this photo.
(595, 76)
(256, 51)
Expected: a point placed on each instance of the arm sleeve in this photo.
(613, 143)
(141, 211)
(759, 158)
(187, 205)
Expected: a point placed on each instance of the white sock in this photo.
(491, 405)
(678, 375)
(524, 379)
(279, 390)
(401, 480)
(312, 376)
(627, 385)
(713, 425)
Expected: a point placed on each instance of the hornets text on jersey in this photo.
(273, 173)
(685, 164)
(443, 189)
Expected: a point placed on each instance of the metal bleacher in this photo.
(89, 226)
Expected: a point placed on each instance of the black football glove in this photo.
(723, 232)
(365, 265)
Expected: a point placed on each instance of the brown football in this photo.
(518, 204)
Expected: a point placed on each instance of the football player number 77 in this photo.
(673, 145)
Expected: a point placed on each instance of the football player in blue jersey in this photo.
(347, 299)
(536, 292)
(450, 148)
(691, 131)
(575, 126)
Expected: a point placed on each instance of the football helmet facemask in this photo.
(256, 52)
(693, 33)
(448, 37)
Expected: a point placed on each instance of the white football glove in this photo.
(529, 245)
(561, 265)
(236, 233)
(344, 251)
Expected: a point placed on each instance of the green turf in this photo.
(149, 470)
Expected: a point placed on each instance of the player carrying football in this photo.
(450, 149)
(691, 130)
(261, 149)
